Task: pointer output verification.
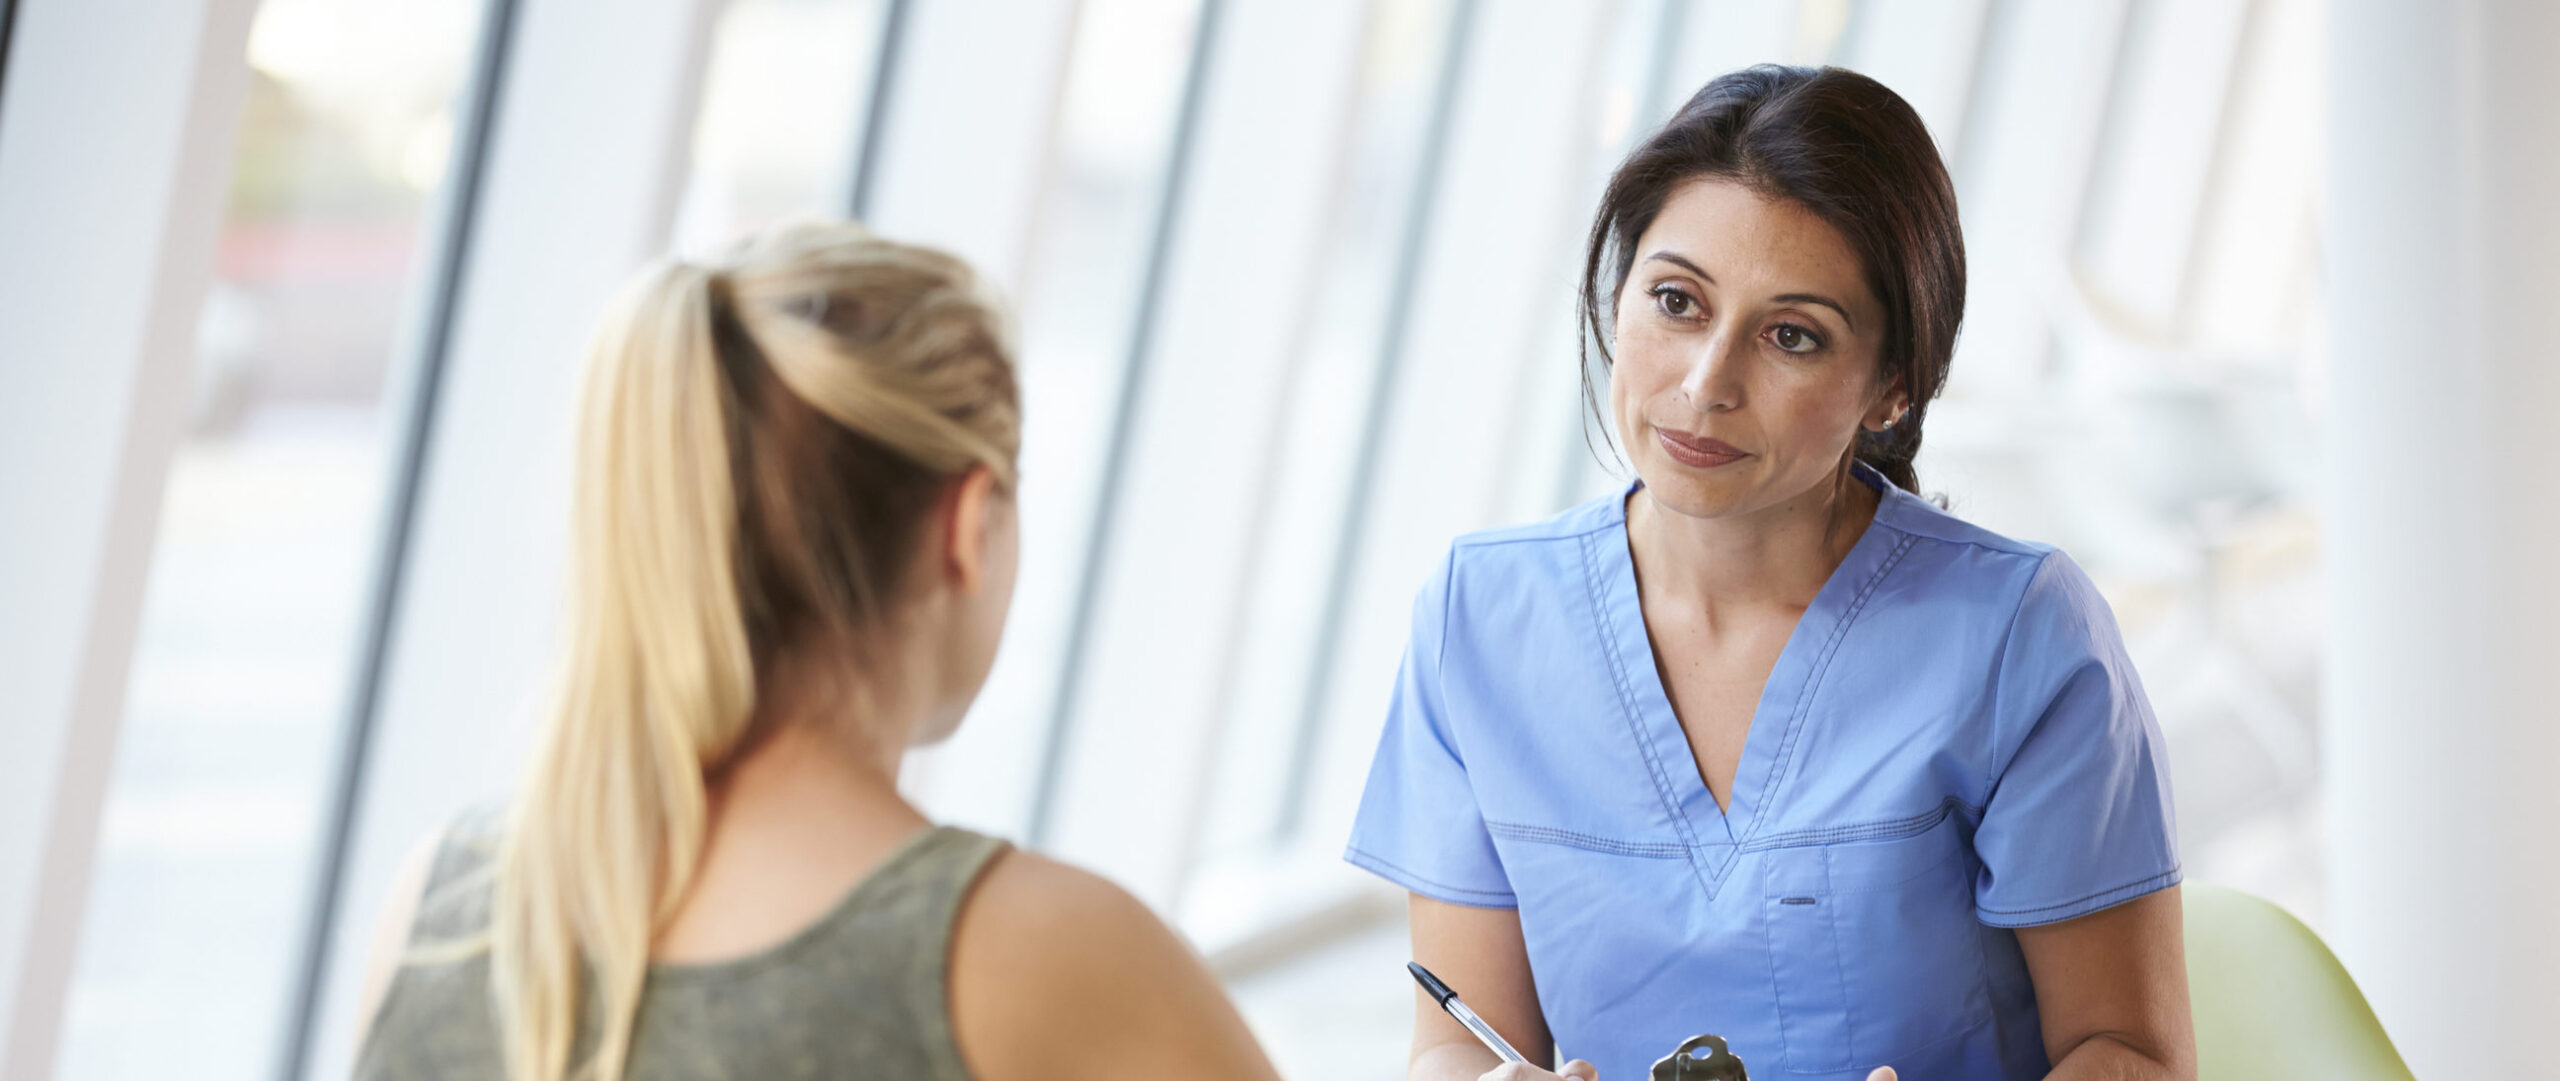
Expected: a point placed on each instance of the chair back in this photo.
(2271, 1002)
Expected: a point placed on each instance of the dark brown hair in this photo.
(1842, 146)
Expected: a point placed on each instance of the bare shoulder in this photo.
(1058, 973)
(391, 929)
(1025, 892)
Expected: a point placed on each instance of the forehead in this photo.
(1754, 243)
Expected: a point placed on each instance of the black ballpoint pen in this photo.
(1448, 1000)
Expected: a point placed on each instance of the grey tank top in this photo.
(863, 992)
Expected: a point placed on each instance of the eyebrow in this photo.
(1676, 259)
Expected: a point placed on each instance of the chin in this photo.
(1696, 494)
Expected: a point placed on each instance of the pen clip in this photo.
(1431, 985)
(1449, 1001)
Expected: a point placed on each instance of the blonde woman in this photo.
(795, 546)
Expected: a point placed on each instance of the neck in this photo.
(803, 809)
(1778, 556)
(826, 726)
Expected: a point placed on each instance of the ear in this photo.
(1889, 407)
(968, 530)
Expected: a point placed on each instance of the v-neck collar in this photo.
(1714, 837)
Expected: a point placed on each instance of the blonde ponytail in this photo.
(758, 440)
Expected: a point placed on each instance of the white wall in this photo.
(2443, 525)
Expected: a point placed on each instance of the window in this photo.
(268, 533)
(783, 107)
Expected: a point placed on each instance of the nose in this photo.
(1713, 379)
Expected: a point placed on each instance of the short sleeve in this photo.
(1418, 825)
(2079, 817)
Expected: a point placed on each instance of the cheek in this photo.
(1820, 418)
(1629, 390)
(1008, 565)
(1642, 369)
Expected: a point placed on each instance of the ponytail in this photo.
(607, 830)
(758, 444)
(1891, 452)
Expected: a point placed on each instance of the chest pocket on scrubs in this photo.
(1875, 948)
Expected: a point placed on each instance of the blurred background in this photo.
(1294, 282)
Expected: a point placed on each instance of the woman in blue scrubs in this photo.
(1768, 746)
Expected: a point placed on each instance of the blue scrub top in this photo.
(1952, 744)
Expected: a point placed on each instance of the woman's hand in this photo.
(1515, 1071)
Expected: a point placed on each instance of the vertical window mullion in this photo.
(463, 193)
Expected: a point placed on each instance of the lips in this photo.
(1697, 451)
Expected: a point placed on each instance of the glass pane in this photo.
(252, 617)
(783, 105)
(2135, 380)
(1407, 46)
(1088, 247)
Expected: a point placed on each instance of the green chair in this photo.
(2271, 1002)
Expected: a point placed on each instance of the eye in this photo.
(1674, 301)
(1795, 339)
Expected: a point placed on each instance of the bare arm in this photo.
(1058, 974)
(2112, 989)
(1478, 952)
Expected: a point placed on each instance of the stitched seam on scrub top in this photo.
(1375, 862)
(2134, 886)
(1992, 766)
(1627, 703)
(1626, 692)
(1838, 971)
(1813, 681)
(1569, 839)
(1839, 967)
(1893, 829)
(1474, 541)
